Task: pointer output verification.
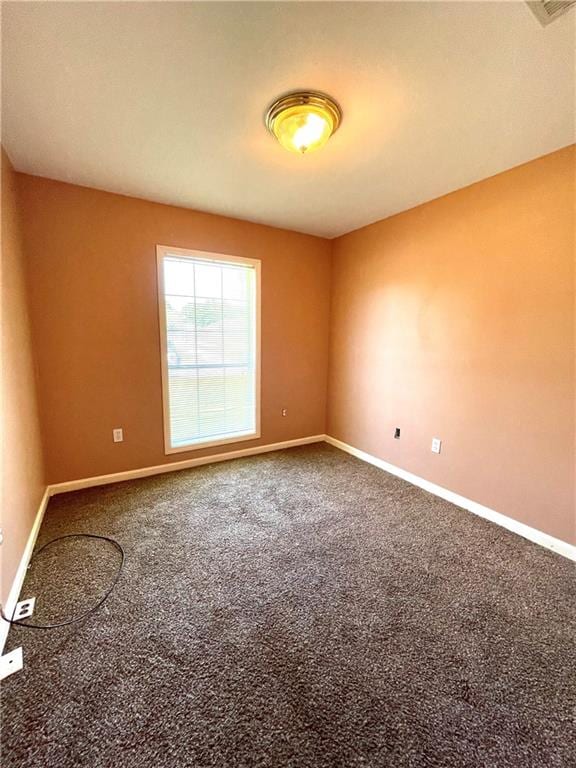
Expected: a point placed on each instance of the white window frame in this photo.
(163, 251)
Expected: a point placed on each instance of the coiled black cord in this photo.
(21, 623)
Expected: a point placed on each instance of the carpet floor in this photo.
(296, 609)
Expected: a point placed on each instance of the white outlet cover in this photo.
(11, 662)
(118, 435)
(24, 609)
(436, 445)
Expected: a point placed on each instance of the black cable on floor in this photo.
(21, 623)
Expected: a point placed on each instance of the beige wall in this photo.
(92, 264)
(456, 320)
(22, 469)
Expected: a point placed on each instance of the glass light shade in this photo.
(304, 121)
(303, 129)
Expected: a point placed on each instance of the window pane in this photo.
(210, 345)
(208, 280)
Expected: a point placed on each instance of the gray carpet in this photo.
(299, 608)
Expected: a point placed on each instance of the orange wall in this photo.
(22, 468)
(453, 320)
(92, 264)
(456, 320)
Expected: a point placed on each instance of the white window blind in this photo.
(209, 320)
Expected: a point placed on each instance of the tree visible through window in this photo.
(209, 321)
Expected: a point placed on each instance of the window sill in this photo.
(240, 438)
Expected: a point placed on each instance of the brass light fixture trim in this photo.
(300, 107)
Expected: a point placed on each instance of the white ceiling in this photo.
(165, 101)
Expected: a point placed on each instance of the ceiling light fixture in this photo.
(303, 121)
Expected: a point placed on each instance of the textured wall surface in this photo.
(92, 260)
(22, 466)
(456, 320)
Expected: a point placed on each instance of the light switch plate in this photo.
(436, 445)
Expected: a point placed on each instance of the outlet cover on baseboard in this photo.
(24, 609)
(11, 662)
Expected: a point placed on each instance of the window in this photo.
(210, 343)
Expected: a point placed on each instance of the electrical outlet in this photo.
(397, 433)
(436, 445)
(11, 662)
(117, 435)
(24, 609)
(284, 411)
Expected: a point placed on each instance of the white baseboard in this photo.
(133, 474)
(117, 477)
(14, 593)
(532, 534)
